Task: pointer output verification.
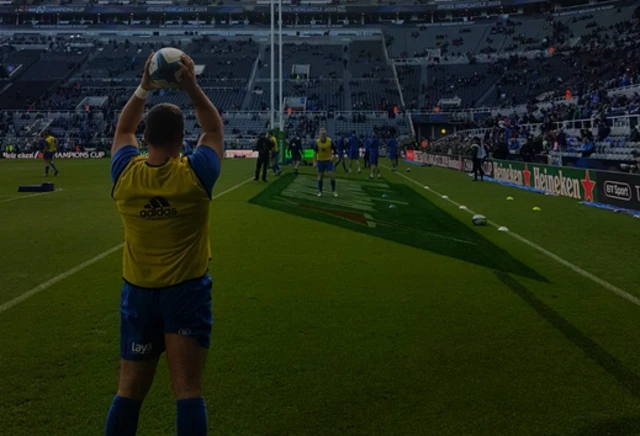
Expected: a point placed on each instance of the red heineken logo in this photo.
(527, 175)
(588, 185)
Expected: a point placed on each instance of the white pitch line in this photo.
(616, 290)
(41, 287)
(6, 200)
(233, 188)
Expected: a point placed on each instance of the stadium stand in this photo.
(533, 71)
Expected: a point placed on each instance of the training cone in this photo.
(509, 198)
(392, 206)
(384, 195)
(463, 208)
(536, 209)
(503, 229)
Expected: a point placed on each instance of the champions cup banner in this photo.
(59, 155)
(434, 5)
(578, 183)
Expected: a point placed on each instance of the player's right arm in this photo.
(131, 115)
(207, 114)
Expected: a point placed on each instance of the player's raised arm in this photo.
(131, 115)
(207, 114)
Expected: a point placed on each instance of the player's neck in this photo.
(159, 156)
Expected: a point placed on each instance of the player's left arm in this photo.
(131, 115)
(334, 151)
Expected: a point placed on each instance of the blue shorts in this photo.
(296, 157)
(354, 153)
(274, 155)
(147, 314)
(393, 155)
(48, 155)
(324, 165)
(373, 158)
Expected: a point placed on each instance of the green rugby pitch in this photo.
(335, 316)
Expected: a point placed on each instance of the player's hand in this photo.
(146, 82)
(188, 68)
(315, 164)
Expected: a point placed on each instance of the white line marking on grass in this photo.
(6, 200)
(41, 287)
(233, 188)
(616, 290)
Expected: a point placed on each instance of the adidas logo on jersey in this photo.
(157, 207)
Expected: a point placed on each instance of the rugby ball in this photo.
(479, 220)
(164, 69)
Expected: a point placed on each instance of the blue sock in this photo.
(46, 169)
(319, 185)
(192, 417)
(123, 417)
(333, 185)
(54, 167)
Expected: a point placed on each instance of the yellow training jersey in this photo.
(165, 212)
(52, 144)
(324, 149)
(275, 142)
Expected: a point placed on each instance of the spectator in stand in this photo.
(562, 139)
(603, 131)
(501, 151)
(587, 147)
(514, 145)
(635, 134)
(527, 152)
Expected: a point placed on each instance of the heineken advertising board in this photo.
(581, 184)
(567, 182)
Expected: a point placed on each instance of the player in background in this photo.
(341, 147)
(164, 202)
(323, 160)
(49, 148)
(374, 153)
(275, 167)
(392, 151)
(367, 144)
(295, 148)
(354, 151)
(264, 145)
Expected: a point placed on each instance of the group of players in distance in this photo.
(327, 156)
